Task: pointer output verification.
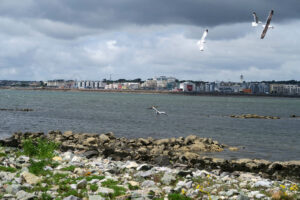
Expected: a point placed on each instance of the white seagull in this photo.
(256, 22)
(159, 112)
(201, 42)
(267, 25)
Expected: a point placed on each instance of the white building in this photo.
(187, 87)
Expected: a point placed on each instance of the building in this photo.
(187, 87)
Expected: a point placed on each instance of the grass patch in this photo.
(70, 168)
(46, 196)
(94, 187)
(40, 148)
(37, 168)
(118, 190)
(8, 169)
(131, 187)
(2, 154)
(177, 196)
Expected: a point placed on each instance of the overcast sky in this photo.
(93, 39)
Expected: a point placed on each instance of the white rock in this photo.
(263, 183)
(148, 183)
(30, 178)
(22, 195)
(105, 190)
(131, 164)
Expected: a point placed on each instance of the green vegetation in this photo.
(40, 148)
(37, 168)
(2, 154)
(118, 190)
(8, 169)
(46, 196)
(94, 187)
(177, 196)
(70, 168)
(131, 187)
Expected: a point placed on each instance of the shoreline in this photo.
(152, 92)
(189, 151)
(98, 167)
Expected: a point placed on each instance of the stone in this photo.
(57, 158)
(103, 138)
(263, 183)
(231, 192)
(76, 159)
(67, 156)
(30, 178)
(198, 147)
(91, 140)
(190, 139)
(144, 167)
(144, 174)
(68, 134)
(162, 160)
(71, 197)
(96, 197)
(90, 153)
(81, 184)
(104, 190)
(148, 183)
(233, 148)
(13, 189)
(131, 164)
(168, 178)
(22, 195)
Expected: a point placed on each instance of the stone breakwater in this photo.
(180, 151)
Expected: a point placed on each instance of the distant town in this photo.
(164, 83)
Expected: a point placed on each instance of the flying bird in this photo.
(201, 42)
(267, 25)
(159, 112)
(256, 22)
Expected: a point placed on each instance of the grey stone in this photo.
(91, 153)
(231, 192)
(148, 183)
(266, 184)
(96, 197)
(13, 189)
(71, 197)
(144, 167)
(104, 190)
(162, 160)
(144, 174)
(22, 195)
(168, 178)
(81, 184)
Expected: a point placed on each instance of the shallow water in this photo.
(127, 115)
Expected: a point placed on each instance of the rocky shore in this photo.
(102, 166)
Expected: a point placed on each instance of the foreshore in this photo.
(148, 168)
(140, 91)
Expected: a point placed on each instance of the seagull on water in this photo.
(159, 112)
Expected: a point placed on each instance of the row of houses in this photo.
(173, 84)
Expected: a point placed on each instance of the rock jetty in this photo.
(249, 116)
(90, 169)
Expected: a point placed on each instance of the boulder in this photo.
(30, 178)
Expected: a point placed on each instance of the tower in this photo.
(242, 78)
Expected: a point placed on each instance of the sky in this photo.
(93, 40)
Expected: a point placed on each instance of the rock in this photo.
(90, 153)
(162, 141)
(265, 183)
(190, 139)
(23, 159)
(91, 140)
(148, 183)
(198, 147)
(67, 156)
(162, 160)
(68, 134)
(57, 158)
(13, 189)
(168, 178)
(104, 190)
(131, 164)
(144, 174)
(144, 167)
(30, 178)
(22, 195)
(103, 138)
(72, 197)
(81, 184)
(76, 159)
(96, 197)
(231, 192)
(233, 148)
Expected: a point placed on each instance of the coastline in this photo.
(101, 166)
(152, 92)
